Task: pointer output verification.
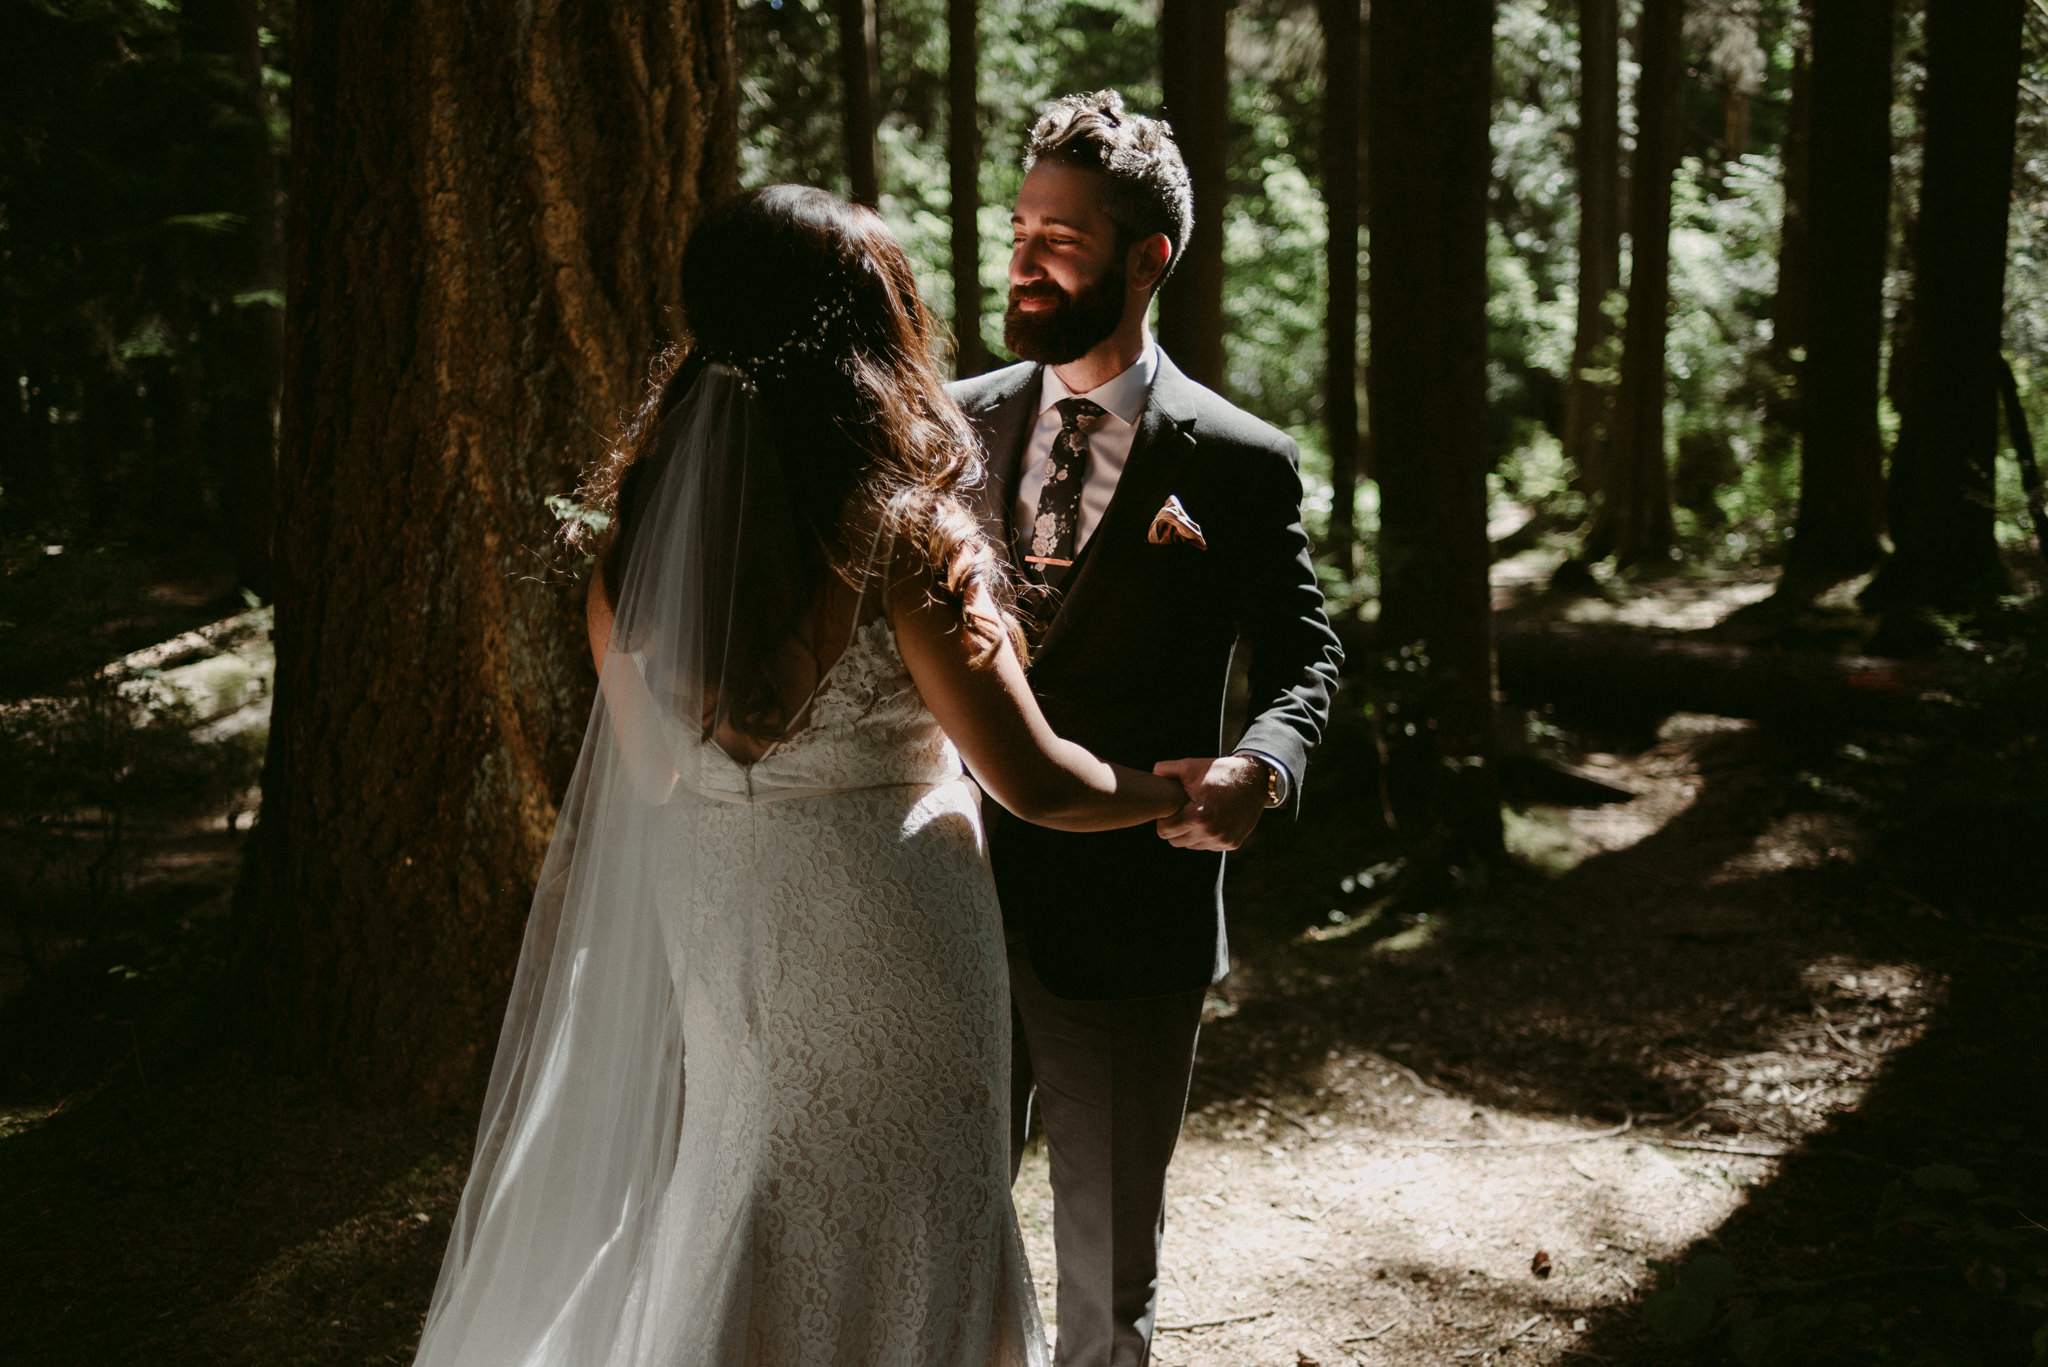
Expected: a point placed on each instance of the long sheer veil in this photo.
(552, 1257)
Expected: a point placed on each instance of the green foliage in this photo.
(1724, 269)
(1737, 492)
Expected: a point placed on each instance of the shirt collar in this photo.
(1124, 397)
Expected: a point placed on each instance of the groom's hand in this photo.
(1225, 797)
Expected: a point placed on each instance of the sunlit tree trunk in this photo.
(1947, 557)
(860, 83)
(485, 240)
(1341, 129)
(1598, 152)
(1841, 500)
(221, 37)
(963, 164)
(1633, 523)
(1194, 76)
(1430, 165)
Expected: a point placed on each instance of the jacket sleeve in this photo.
(1295, 655)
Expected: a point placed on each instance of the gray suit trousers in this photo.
(1110, 1083)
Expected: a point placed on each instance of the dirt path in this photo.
(1464, 1139)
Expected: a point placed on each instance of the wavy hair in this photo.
(814, 301)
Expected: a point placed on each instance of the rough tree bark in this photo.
(221, 38)
(1429, 164)
(485, 233)
(963, 165)
(1598, 156)
(1194, 78)
(1633, 520)
(1946, 556)
(1341, 128)
(1841, 498)
(860, 83)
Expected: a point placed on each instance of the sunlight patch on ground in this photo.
(1342, 1242)
(21, 1121)
(1672, 605)
(1798, 840)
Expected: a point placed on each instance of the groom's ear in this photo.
(1146, 261)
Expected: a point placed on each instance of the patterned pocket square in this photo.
(1172, 524)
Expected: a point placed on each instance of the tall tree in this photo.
(1789, 310)
(1841, 498)
(1633, 521)
(1194, 78)
(860, 81)
(222, 39)
(1430, 165)
(1598, 154)
(1947, 557)
(963, 165)
(1738, 59)
(1342, 58)
(485, 238)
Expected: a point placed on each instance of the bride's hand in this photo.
(1166, 790)
(1224, 799)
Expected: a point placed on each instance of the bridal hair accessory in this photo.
(1171, 525)
(809, 339)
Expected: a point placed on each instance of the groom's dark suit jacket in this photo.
(1134, 665)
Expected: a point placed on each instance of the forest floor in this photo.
(1711, 1031)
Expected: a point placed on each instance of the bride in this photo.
(750, 1102)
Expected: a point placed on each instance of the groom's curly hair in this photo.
(1147, 181)
(816, 303)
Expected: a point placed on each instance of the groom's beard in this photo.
(1073, 326)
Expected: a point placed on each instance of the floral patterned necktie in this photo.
(1058, 523)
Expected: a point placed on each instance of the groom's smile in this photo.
(1068, 283)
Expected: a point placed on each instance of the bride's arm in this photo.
(635, 717)
(986, 706)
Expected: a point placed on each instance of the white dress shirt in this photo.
(1109, 439)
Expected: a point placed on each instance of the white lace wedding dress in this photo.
(840, 961)
(750, 1103)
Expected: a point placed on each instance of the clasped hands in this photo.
(1225, 797)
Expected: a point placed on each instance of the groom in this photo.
(1158, 530)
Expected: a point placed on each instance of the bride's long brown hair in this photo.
(815, 302)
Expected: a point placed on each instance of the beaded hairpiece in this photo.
(808, 340)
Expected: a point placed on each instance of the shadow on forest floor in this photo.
(1731, 959)
(1747, 980)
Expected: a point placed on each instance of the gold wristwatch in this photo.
(1272, 777)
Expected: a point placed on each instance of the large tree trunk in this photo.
(1430, 164)
(1789, 308)
(485, 237)
(1194, 77)
(963, 164)
(1598, 154)
(1946, 557)
(860, 83)
(1341, 128)
(1633, 523)
(1841, 489)
(221, 37)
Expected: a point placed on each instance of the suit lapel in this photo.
(1165, 437)
(1007, 419)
